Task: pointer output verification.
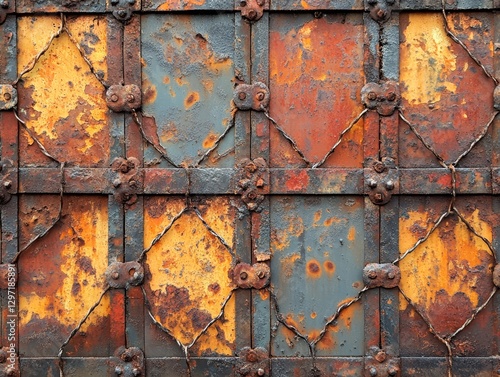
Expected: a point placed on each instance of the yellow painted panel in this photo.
(61, 99)
(64, 272)
(187, 277)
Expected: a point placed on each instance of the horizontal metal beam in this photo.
(329, 181)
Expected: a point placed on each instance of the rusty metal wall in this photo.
(249, 188)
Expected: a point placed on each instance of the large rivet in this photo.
(261, 274)
(7, 96)
(372, 274)
(7, 184)
(252, 14)
(372, 96)
(261, 372)
(391, 275)
(391, 96)
(392, 372)
(243, 275)
(373, 371)
(118, 370)
(115, 275)
(242, 96)
(260, 96)
(114, 98)
(372, 183)
(390, 185)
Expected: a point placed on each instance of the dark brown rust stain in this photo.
(199, 318)
(85, 264)
(214, 288)
(329, 267)
(313, 269)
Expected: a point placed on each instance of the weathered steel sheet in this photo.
(447, 277)
(297, 5)
(316, 72)
(188, 79)
(187, 278)
(325, 366)
(61, 276)
(317, 260)
(54, 6)
(187, 5)
(444, 92)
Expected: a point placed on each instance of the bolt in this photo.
(130, 98)
(252, 195)
(122, 13)
(7, 184)
(261, 274)
(115, 275)
(114, 98)
(243, 275)
(136, 372)
(7, 96)
(261, 372)
(118, 370)
(380, 356)
(381, 14)
(372, 274)
(243, 3)
(252, 357)
(392, 371)
(390, 185)
(372, 96)
(391, 275)
(5, 4)
(132, 183)
(251, 167)
(259, 183)
(252, 14)
(242, 96)
(372, 183)
(124, 168)
(378, 197)
(244, 183)
(379, 166)
(373, 372)
(260, 96)
(391, 96)
(117, 183)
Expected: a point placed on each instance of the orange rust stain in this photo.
(180, 4)
(149, 91)
(317, 216)
(327, 342)
(209, 141)
(264, 294)
(298, 182)
(329, 267)
(313, 269)
(166, 80)
(351, 236)
(314, 315)
(191, 99)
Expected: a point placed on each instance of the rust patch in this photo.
(210, 140)
(298, 181)
(190, 101)
(313, 269)
(329, 267)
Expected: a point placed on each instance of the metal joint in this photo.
(123, 98)
(8, 276)
(128, 362)
(252, 10)
(122, 9)
(386, 275)
(255, 276)
(4, 9)
(253, 362)
(8, 94)
(9, 362)
(7, 183)
(381, 180)
(128, 181)
(384, 97)
(380, 10)
(252, 179)
(124, 275)
(251, 97)
(380, 364)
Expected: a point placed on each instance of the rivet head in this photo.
(391, 276)
(252, 14)
(242, 96)
(372, 183)
(114, 98)
(372, 96)
(7, 184)
(243, 275)
(390, 185)
(7, 96)
(118, 371)
(117, 183)
(261, 372)
(136, 372)
(261, 274)
(261, 2)
(260, 96)
(115, 275)
(392, 371)
(5, 4)
(130, 98)
(373, 371)
(391, 96)
(372, 274)
(378, 197)
(122, 13)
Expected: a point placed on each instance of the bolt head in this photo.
(260, 96)
(114, 98)
(391, 96)
(372, 96)
(252, 14)
(391, 275)
(7, 184)
(261, 372)
(243, 275)
(5, 4)
(261, 274)
(378, 197)
(392, 371)
(130, 98)
(242, 96)
(390, 185)
(117, 183)
(118, 371)
(7, 96)
(372, 274)
(372, 183)
(115, 275)
(373, 371)
(136, 372)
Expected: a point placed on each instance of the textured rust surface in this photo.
(124, 275)
(381, 275)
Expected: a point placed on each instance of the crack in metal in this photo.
(76, 329)
(462, 44)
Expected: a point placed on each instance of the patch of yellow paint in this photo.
(91, 229)
(437, 264)
(426, 59)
